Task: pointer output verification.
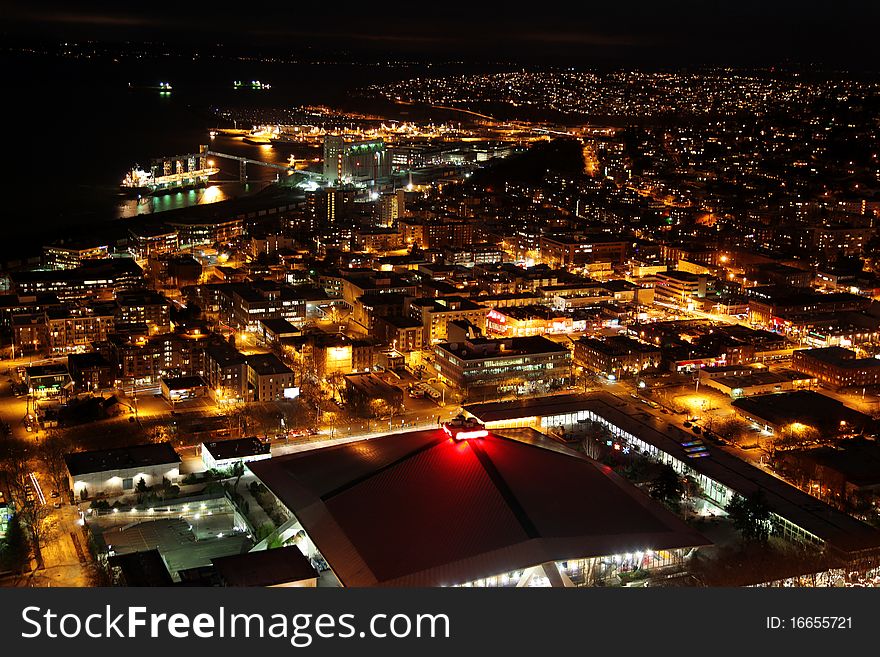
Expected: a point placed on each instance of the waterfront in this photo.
(76, 128)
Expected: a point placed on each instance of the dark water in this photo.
(72, 129)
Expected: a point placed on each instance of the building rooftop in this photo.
(145, 568)
(224, 354)
(618, 345)
(446, 512)
(370, 384)
(121, 458)
(802, 407)
(265, 568)
(446, 304)
(761, 378)
(858, 461)
(141, 298)
(481, 348)
(840, 357)
(683, 276)
(401, 322)
(183, 382)
(86, 360)
(841, 532)
(236, 448)
(88, 270)
(266, 364)
(37, 371)
(279, 326)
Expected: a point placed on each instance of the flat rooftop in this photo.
(184, 382)
(802, 406)
(371, 384)
(482, 348)
(267, 364)
(236, 448)
(265, 567)
(121, 458)
(36, 371)
(279, 326)
(840, 357)
(761, 378)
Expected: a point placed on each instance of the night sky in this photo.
(674, 32)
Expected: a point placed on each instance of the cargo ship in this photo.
(263, 135)
(162, 87)
(138, 182)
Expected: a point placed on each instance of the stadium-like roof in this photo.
(420, 509)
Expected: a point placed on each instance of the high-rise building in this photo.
(355, 162)
(388, 208)
(334, 148)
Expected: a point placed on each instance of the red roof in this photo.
(420, 509)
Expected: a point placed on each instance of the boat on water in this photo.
(253, 85)
(262, 135)
(138, 182)
(162, 87)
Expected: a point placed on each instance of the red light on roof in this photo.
(464, 429)
(467, 435)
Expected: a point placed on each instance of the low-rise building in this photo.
(435, 314)
(837, 366)
(680, 288)
(369, 395)
(145, 242)
(759, 382)
(181, 388)
(481, 369)
(269, 379)
(789, 413)
(91, 371)
(280, 567)
(71, 256)
(47, 380)
(275, 331)
(144, 307)
(101, 279)
(403, 333)
(222, 454)
(572, 250)
(619, 356)
(226, 371)
(118, 471)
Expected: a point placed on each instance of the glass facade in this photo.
(715, 491)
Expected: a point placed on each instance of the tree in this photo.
(30, 513)
(595, 435)
(14, 547)
(336, 381)
(751, 516)
(54, 447)
(238, 473)
(667, 487)
(141, 486)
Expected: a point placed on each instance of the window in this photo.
(127, 483)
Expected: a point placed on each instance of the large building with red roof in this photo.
(505, 509)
